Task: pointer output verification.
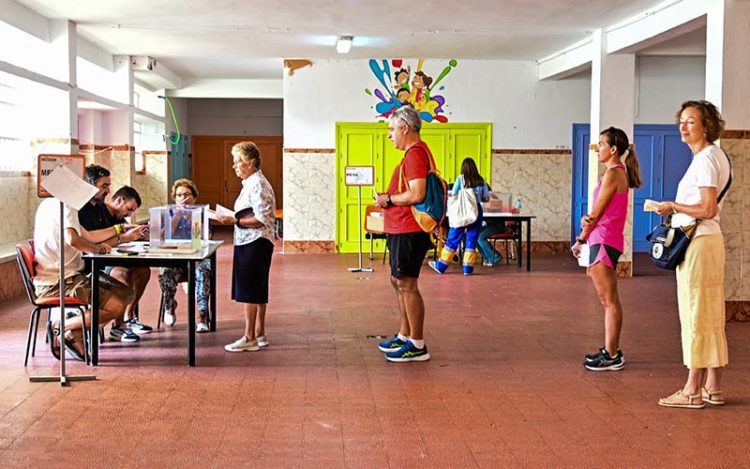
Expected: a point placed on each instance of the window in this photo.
(140, 162)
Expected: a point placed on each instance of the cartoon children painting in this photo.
(420, 89)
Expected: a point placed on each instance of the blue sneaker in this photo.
(390, 345)
(438, 266)
(468, 269)
(408, 353)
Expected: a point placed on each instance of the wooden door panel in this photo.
(208, 170)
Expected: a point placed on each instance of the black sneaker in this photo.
(138, 327)
(593, 356)
(603, 362)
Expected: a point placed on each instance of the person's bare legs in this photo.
(695, 379)
(404, 328)
(411, 301)
(713, 379)
(605, 283)
(110, 311)
(251, 314)
(136, 278)
(260, 323)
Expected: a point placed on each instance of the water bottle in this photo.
(517, 206)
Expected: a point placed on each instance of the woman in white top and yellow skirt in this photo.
(700, 277)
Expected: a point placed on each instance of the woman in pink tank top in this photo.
(602, 229)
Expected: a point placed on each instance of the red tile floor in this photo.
(505, 386)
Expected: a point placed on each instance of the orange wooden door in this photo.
(208, 169)
(212, 167)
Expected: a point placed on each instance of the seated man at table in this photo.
(114, 296)
(112, 213)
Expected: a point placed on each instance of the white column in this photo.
(64, 51)
(727, 64)
(612, 104)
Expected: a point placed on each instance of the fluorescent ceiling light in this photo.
(344, 44)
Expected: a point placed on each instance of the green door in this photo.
(356, 146)
(367, 144)
(472, 141)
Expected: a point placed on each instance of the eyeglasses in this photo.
(183, 194)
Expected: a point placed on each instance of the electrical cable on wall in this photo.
(174, 119)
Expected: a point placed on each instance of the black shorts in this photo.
(251, 266)
(407, 253)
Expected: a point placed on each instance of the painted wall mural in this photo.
(400, 87)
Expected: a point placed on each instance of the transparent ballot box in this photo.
(499, 202)
(178, 228)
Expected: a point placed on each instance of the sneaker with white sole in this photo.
(138, 327)
(408, 353)
(262, 341)
(122, 333)
(391, 345)
(605, 362)
(242, 345)
(201, 327)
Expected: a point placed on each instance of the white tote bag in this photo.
(462, 208)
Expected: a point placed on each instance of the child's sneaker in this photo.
(438, 266)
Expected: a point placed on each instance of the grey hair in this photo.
(410, 117)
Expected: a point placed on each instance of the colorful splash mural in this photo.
(400, 87)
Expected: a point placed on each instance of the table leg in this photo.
(212, 293)
(191, 313)
(528, 245)
(94, 336)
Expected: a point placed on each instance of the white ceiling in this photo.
(249, 38)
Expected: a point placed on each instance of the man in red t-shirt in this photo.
(407, 243)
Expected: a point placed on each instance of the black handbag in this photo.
(669, 245)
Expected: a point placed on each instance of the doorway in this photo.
(212, 167)
(663, 159)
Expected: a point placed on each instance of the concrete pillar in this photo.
(727, 72)
(63, 41)
(612, 104)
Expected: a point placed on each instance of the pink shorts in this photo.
(605, 254)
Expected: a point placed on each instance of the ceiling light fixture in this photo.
(344, 44)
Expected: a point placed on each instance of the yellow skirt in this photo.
(700, 298)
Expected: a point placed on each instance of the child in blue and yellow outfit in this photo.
(469, 178)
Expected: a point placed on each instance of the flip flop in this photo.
(53, 336)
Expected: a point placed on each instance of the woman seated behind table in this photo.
(184, 192)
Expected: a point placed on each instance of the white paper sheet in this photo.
(649, 205)
(223, 211)
(583, 258)
(67, 186)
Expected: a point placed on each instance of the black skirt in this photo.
(250, 271)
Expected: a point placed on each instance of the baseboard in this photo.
(309, 247)
(737, 310)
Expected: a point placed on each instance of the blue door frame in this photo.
(663, 160)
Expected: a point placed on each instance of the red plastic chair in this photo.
(25, 256)
(511, 234)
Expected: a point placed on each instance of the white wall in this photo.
(256, 117)
(663, 83)
(525, 112)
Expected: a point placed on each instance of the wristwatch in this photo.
(582, 241)
(388, 201)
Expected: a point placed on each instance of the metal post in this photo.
(359, 223)
(63, 378)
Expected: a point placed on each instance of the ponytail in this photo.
(633, 167)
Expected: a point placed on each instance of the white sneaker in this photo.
(262, 341)
(169, 318)
(242, 345)
(201, 327)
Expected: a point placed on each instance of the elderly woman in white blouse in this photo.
(253, 245)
